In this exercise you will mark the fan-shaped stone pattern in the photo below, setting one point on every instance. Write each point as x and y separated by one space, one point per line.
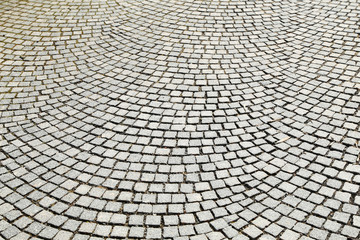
179 119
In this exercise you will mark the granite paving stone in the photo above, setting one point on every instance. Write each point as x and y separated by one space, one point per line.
179 119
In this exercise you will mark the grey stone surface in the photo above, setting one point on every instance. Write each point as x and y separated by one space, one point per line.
179 119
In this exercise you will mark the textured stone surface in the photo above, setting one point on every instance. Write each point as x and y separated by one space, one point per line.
179 119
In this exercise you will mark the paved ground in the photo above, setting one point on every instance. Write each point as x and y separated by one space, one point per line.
179 119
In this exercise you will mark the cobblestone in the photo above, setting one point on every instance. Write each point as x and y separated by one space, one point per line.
179 119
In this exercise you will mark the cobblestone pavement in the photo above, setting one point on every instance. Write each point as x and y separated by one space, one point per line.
179 119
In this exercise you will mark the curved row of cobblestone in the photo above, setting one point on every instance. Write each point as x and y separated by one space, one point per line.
179 119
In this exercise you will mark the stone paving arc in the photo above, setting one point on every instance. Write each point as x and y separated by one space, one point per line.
179 119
